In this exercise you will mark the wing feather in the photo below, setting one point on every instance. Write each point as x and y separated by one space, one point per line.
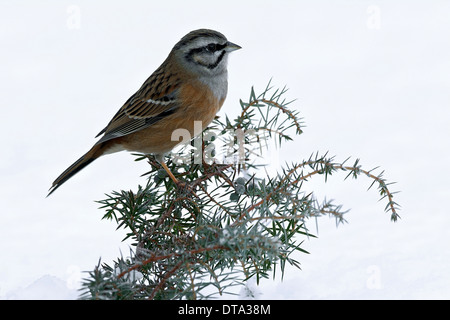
155 100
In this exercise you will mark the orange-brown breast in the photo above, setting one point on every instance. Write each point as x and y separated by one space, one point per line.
199 104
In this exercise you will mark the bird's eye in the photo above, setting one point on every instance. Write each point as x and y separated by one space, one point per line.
211 47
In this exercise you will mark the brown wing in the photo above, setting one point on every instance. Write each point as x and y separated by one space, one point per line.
155 100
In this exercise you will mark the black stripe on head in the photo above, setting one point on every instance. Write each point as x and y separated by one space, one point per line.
205 50
212 66
212 47
201 33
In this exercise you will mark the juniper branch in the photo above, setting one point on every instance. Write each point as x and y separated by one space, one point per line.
225 226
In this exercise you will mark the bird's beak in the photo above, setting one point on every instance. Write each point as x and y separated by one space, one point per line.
232 46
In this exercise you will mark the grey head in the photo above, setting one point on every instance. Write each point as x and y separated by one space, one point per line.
204 52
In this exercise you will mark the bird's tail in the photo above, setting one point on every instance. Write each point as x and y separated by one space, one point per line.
96 151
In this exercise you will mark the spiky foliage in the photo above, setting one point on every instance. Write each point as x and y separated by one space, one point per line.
228 221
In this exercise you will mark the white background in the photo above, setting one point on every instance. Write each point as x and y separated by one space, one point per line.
372 80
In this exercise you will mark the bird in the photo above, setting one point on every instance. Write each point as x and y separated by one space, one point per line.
190 85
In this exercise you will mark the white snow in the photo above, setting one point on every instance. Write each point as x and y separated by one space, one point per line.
46 287
371 79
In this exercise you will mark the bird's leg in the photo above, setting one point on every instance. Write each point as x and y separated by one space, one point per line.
180 184
165 167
